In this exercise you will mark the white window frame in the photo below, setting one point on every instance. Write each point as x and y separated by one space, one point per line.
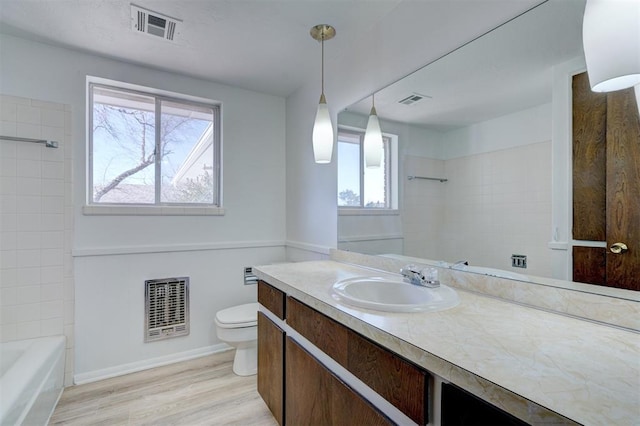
392 176
159 207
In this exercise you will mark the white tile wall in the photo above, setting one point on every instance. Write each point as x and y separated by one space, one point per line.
36 223
499 204
423 208
494 205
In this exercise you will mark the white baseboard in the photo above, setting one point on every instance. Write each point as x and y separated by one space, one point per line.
119 370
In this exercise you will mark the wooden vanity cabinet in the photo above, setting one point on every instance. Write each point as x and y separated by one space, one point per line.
300 389
295 342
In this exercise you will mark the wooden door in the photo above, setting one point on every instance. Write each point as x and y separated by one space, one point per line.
606 186
623 189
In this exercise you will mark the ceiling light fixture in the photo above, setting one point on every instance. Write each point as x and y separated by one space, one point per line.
322 127
373 139
611 40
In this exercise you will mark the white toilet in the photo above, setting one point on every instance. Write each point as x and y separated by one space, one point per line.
238 327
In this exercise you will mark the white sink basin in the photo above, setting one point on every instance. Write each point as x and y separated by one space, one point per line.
391 295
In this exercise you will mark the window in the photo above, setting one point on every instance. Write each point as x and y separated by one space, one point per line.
146 149
360 187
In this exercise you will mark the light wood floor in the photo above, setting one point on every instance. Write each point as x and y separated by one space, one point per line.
203 391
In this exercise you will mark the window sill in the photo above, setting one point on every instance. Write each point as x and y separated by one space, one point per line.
98 210
342 211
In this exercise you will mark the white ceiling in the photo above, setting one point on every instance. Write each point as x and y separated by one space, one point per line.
261 45
506 70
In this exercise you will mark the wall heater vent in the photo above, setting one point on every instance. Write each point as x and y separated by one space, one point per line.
153 23
166 308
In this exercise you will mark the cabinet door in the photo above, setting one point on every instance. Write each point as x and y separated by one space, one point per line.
316 397
271 366
460 408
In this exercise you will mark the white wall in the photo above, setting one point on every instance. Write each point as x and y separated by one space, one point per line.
110 305
114 254
311 187
517 129
36 223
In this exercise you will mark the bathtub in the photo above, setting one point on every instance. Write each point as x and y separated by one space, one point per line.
31 379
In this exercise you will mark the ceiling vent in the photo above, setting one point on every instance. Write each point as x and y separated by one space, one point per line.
413 98
153 23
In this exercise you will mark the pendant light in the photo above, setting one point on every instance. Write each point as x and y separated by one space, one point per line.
611 39
322 128
373 139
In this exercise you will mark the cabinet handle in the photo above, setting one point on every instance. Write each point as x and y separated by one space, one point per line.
618 248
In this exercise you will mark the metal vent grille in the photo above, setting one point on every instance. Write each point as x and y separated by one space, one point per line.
171 30
153 23
166 308
142 21
410 99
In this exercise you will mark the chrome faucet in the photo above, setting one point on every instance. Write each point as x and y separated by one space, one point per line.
417 276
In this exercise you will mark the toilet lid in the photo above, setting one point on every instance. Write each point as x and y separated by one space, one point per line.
245 315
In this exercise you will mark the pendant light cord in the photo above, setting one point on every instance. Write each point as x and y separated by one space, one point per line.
322 67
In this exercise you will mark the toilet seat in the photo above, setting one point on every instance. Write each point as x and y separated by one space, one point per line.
238 316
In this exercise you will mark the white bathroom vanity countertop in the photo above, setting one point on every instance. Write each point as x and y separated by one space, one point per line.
527 361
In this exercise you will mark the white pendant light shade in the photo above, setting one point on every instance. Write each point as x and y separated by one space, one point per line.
373 141
611 39
322 134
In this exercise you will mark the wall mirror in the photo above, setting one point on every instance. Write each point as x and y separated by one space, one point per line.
472 138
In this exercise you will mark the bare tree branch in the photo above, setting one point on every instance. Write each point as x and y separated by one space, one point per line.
138 126
122 176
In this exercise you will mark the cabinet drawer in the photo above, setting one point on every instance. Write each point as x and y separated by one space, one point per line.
394 378
327 335
272 299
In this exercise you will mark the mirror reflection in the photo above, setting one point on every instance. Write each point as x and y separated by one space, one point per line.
467 170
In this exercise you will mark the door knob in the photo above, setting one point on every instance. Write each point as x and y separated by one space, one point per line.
618 248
